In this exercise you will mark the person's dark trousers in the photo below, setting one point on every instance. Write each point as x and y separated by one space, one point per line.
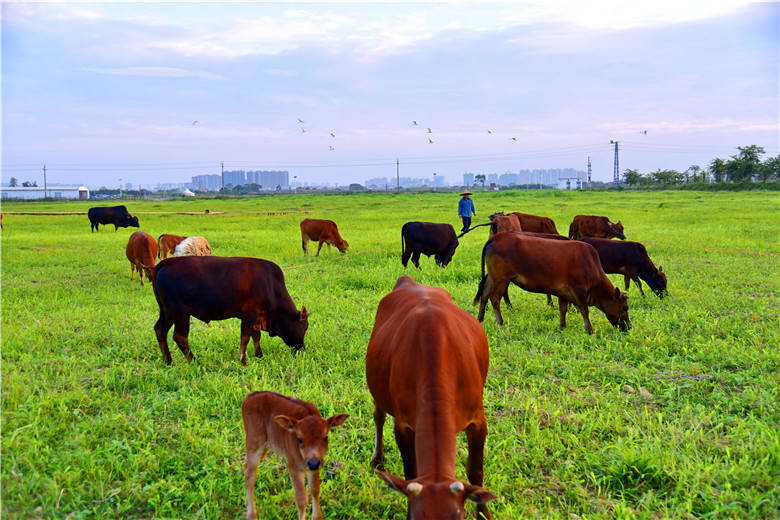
466 223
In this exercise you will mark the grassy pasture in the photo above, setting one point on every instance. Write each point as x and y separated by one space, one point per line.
677 418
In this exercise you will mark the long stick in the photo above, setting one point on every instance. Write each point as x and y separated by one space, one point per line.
475 227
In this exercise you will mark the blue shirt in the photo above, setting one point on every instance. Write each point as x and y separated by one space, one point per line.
466 208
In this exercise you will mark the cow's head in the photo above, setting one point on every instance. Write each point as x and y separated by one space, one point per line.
657 282
442 259
342 245
312 435
440 500
132 221
291 328
616 309
618 229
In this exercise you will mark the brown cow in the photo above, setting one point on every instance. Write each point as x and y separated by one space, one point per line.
595 226
570 270
215 288
141 250
322 231
293 429
426 365
536 223
632 261
167 243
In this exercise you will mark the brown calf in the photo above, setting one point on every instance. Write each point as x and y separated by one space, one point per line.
426 365
141 250
322 231
568 269
293 429
595 226
167 244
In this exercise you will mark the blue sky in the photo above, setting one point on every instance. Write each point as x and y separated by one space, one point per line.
104 91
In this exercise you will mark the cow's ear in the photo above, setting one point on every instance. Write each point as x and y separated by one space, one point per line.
337 420
660 269
479 495
617 293
398 484
288 423
304 314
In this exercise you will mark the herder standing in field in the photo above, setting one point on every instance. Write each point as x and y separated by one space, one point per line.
466 209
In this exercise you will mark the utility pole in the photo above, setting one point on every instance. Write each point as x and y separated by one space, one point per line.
589 171
223 175
45 188
616 172
397 176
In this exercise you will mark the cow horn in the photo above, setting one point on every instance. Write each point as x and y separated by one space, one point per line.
414 488
456 487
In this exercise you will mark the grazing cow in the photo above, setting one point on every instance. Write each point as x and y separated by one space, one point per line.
322 231
631 260
116 215
193 246
595 226
141 250
428 239
215 288
167 244
570 270
536 223
426 365
293 429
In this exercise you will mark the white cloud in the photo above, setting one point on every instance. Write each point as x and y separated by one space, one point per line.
155 72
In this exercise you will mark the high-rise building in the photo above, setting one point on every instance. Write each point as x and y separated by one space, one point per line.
235 177
207 182
468 179
492 178
271 180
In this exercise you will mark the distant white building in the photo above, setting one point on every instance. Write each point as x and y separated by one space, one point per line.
37 192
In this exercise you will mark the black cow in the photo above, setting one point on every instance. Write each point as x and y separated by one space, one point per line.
215 288
116 215
428 239
631 260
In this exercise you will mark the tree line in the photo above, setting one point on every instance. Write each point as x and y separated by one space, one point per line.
744 166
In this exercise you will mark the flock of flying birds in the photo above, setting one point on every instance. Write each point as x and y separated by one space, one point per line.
331 148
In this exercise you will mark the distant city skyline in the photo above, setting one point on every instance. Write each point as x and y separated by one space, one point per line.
336 93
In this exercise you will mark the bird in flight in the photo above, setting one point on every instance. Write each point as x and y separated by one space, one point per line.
414 123
643 132
303 130
429 131
490 131
300 120
514 139
430 141
194 123
331 148
332 134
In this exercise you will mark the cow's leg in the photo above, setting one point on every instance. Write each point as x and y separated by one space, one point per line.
140 270
627 280
484 295
378 458
405 256
132 271
254 455
305 243
246 333
181 329
495 300
320 247
506 298
404 438
475 437
256 340
638 284
584 311
549 300
563 306
161 329
314 489
297 478
416 259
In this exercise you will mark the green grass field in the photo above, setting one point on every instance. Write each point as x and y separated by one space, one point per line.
677 418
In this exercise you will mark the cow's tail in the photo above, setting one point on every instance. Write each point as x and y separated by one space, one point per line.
159 247
482 280
571 231
403 244
474 227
